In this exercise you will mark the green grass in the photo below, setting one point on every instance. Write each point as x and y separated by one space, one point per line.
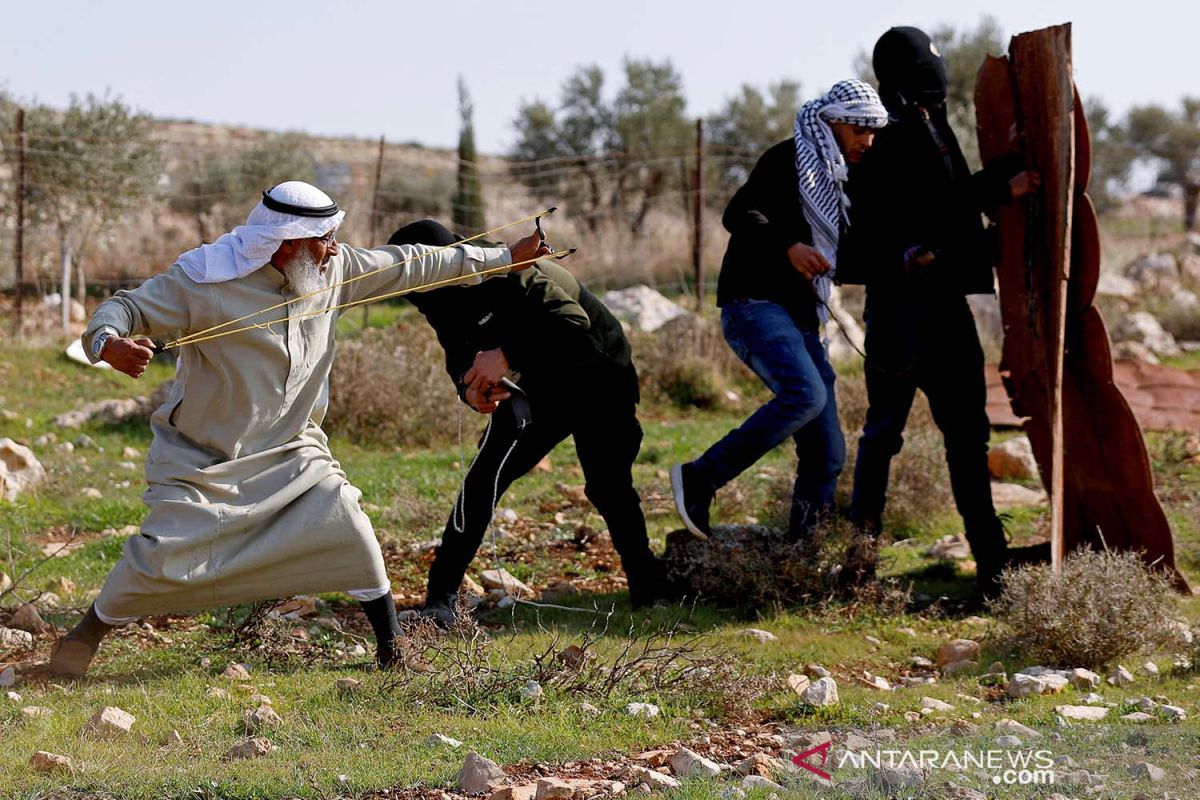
375 738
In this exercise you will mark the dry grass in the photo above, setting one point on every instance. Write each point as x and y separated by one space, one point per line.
1102 607
391 386
755 566
464 668
687 363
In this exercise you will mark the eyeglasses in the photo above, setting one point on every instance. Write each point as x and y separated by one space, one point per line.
328 238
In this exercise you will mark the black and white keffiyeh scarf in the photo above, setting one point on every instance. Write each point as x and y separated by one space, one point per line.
821 167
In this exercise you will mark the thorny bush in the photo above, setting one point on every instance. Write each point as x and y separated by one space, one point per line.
466 669
1102 607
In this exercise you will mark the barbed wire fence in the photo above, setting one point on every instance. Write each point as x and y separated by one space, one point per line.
645 217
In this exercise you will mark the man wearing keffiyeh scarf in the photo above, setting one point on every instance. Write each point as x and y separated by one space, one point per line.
918 244
784 227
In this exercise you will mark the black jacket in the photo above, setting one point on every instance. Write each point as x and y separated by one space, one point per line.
552 330
765 218
912 190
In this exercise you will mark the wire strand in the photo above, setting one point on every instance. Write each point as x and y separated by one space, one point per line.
194 336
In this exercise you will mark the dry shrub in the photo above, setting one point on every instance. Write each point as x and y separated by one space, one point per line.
391 387
755 566
919 485
687 363
253 632
464 669
1102 607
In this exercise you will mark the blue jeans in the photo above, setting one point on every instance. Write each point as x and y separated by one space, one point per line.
793 364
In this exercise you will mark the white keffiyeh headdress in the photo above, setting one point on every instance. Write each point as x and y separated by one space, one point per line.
291 210
821 167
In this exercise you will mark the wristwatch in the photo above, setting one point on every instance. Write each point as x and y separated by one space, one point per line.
100 339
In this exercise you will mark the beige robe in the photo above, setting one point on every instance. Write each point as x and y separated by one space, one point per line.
246 502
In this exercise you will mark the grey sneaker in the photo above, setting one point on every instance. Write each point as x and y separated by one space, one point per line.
691 500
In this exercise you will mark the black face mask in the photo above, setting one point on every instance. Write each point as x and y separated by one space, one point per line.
909 69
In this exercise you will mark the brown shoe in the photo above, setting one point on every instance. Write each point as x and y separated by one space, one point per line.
71 658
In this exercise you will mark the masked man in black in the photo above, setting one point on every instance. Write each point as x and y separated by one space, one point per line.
576 379
918 242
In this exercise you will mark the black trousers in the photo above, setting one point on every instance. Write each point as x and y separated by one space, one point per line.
937 350
602 416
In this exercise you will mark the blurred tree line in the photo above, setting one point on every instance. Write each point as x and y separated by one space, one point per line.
611 155
611 152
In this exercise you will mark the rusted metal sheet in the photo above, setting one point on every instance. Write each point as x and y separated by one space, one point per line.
1056 367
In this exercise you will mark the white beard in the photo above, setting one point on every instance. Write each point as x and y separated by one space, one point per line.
304 274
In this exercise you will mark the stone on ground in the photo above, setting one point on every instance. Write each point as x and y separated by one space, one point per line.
824 692
8 677
110 722
13 639
527 791
1014 727
642 710
26 618
250 748
1137 716
1082 712
952 547
798 683
479 774
1119 676
532 690
20 471
958 650
636 775
37 712
642 307
553 789
935 704
502 580
690 764
261 718
437 739
1144 769
759 635
759 782
236 672
1084 678
1012 460
46 762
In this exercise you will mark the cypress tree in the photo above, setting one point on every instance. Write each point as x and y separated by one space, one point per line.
467 203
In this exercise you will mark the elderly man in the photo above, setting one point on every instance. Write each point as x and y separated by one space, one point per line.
246 502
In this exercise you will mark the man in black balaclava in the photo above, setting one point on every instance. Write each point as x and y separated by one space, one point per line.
576 379
918 243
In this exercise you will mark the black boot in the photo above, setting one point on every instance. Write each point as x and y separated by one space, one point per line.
441 610
989 547
649 584
381 613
